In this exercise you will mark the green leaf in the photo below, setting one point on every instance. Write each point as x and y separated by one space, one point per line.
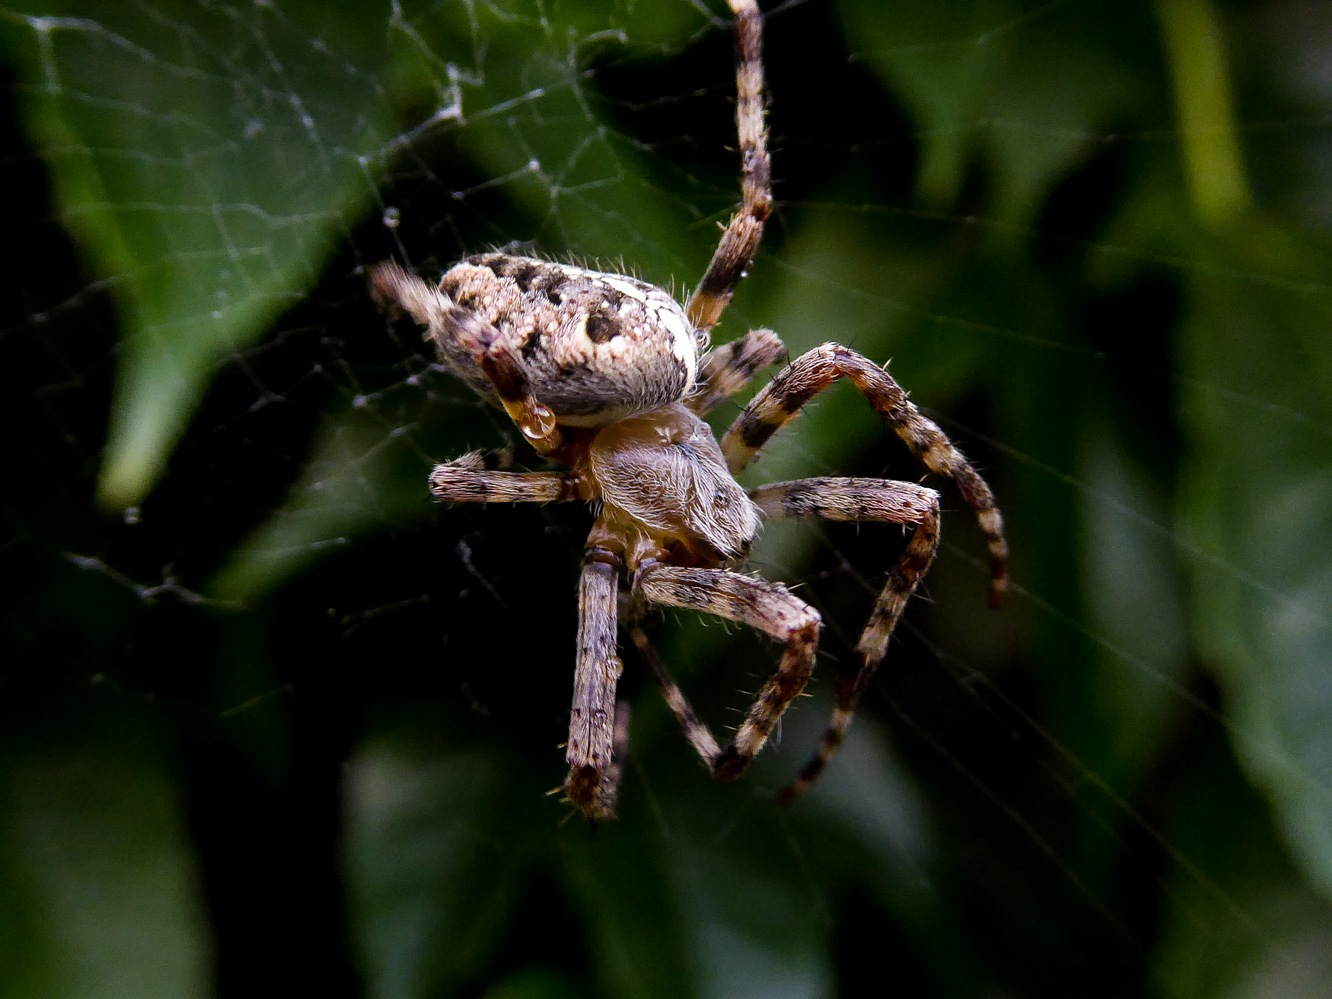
104 898
206 160
1257 507
430 889
1193 35
360 476
1238 921
1032 95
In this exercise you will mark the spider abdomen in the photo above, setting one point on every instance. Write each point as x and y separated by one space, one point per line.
597 347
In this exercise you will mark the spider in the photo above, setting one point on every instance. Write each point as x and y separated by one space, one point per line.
610 377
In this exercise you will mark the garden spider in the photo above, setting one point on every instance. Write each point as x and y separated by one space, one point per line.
610 377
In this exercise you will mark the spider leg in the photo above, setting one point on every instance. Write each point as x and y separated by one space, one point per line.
456 330
729 368
766 606
811 373
594 763
695 729
473 478
740 240
860 499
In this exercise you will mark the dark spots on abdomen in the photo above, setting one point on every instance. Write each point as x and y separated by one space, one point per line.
601 329
532 346
490 261
525 273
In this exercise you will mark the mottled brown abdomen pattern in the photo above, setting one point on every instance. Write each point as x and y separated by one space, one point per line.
597 347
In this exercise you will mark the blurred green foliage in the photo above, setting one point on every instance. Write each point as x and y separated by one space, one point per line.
271 722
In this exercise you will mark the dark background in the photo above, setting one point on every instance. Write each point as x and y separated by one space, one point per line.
272 721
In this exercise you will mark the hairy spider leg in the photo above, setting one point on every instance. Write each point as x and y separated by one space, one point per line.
594 764
475 477
598 727
695 729
740 240
729 368
816 370
860 499
494 353
767 607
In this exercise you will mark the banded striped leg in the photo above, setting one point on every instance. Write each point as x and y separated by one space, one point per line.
478 477
729 368
466 342
861 499
740 241
594 762
811 373
768 607
695 729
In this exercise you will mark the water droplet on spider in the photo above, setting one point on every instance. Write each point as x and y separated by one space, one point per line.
392 217
131 515
541 424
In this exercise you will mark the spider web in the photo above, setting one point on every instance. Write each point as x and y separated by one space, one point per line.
249 661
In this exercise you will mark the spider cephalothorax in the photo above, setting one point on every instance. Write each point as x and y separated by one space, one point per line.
610 377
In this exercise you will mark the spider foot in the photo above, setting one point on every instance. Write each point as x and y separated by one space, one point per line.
729 764
812 770
593 792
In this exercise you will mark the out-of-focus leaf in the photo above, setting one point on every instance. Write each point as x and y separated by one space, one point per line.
680 909
1257 507
1133 678
589 187
987 80
430 879
206 160
1193 35
1238 921
106 900
534 982
360 474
